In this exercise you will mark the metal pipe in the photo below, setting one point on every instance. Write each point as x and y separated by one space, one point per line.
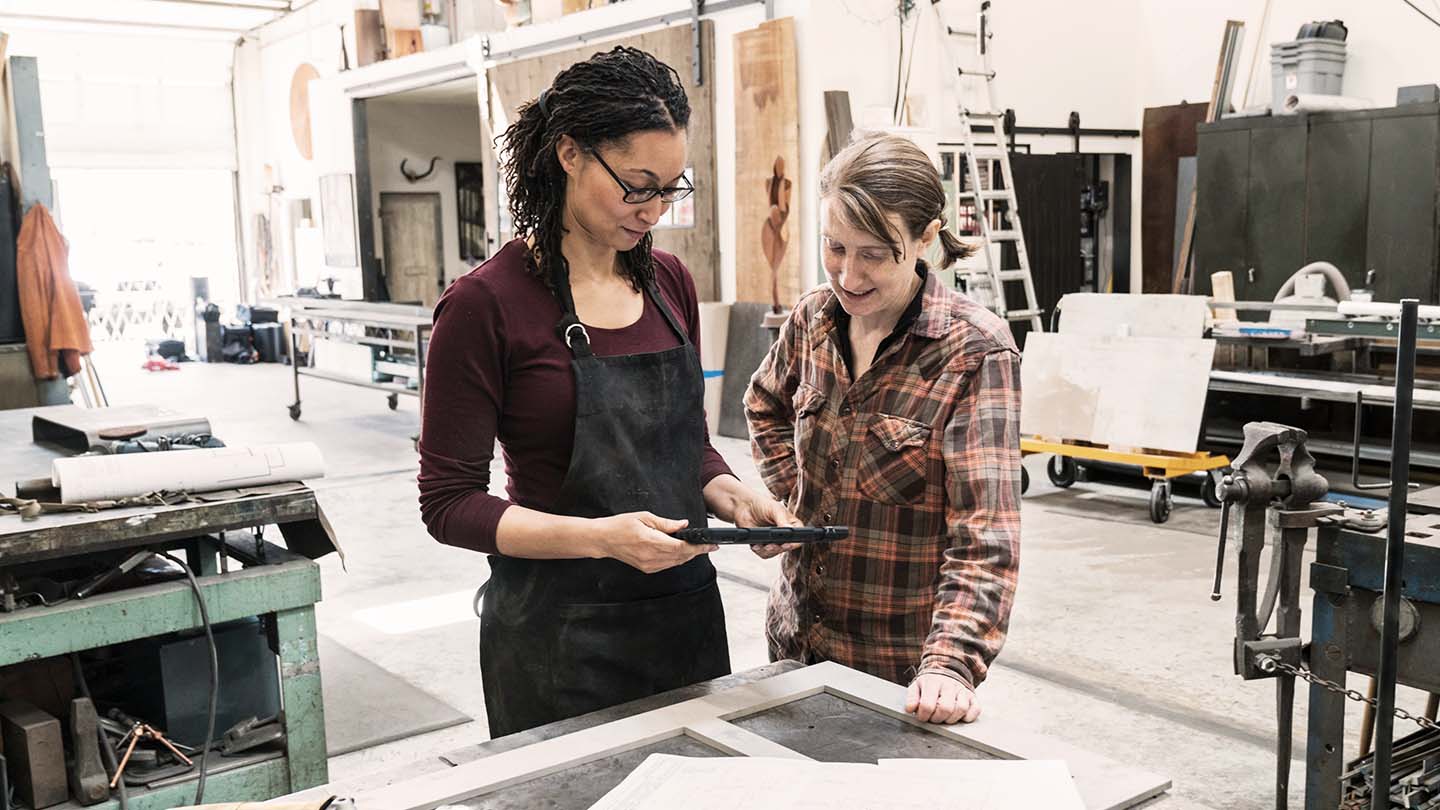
1273 306
1394 551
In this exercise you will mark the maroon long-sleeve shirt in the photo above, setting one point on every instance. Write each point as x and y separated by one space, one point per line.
497 370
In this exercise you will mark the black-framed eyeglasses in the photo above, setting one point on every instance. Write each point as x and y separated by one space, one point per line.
640 196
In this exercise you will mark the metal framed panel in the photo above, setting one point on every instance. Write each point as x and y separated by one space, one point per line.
711 719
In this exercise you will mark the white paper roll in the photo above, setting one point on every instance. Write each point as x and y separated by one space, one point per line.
1316 102
94 478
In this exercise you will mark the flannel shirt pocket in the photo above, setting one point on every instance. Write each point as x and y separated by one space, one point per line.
893 469
808 400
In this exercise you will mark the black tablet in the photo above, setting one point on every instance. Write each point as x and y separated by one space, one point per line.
764 535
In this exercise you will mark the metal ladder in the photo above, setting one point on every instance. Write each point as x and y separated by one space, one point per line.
992 148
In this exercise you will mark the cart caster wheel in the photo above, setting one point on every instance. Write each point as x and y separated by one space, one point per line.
1061 471
1160 501
295 411
393 401
1024 480
1208 492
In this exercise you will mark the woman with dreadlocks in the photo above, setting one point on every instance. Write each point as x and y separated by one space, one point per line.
576 347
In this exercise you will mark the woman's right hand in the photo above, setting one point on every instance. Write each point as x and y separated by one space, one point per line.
642 540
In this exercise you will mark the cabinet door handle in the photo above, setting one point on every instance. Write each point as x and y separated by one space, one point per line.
1250 274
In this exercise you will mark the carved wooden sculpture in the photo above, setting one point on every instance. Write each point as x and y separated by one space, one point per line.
774 237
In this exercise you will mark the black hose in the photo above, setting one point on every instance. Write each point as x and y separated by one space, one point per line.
214 674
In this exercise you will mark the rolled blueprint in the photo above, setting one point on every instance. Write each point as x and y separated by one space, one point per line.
1316 102
96 478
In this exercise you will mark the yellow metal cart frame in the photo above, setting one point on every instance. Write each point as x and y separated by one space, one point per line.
1160 467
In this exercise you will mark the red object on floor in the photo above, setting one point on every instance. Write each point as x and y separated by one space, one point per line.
160 364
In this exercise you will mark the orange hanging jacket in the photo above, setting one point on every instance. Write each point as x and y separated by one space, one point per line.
56 332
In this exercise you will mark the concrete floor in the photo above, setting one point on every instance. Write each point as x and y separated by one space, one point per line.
1114 644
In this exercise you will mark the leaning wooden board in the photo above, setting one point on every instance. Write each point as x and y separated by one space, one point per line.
749 720
767 139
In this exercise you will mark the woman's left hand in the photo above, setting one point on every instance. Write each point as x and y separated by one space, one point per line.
937 698
760 510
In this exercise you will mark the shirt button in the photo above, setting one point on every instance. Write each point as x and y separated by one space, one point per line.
835 463
845 409
817 618
819 569
829 518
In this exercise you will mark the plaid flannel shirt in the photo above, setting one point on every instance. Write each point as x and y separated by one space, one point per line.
920 458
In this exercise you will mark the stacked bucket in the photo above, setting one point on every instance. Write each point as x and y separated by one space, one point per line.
1313 64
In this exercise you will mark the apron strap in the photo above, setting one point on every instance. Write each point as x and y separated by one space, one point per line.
659 299
569 328
572 331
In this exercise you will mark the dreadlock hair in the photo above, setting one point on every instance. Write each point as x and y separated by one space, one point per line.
597 102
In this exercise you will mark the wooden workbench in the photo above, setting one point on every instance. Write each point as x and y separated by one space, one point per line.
238 579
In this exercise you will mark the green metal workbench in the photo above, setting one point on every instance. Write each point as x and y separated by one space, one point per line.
238 578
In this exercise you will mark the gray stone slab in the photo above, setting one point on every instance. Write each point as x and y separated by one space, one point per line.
745 349
830 729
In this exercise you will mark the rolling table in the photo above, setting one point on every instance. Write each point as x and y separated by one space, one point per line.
398 328
270 581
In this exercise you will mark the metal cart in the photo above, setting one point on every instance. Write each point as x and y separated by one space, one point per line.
402 329
1159 467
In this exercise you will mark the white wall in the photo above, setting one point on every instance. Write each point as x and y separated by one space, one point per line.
415 132
272 170
1389 45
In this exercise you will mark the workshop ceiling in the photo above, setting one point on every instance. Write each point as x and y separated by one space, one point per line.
217 17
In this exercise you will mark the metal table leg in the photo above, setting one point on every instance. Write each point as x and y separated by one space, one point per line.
300 690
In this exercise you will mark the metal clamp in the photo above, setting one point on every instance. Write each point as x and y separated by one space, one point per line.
569 336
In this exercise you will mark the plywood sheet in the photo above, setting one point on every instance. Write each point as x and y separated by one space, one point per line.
403 41
767 163
400 13
1133 315
1121 392
698 245
369 42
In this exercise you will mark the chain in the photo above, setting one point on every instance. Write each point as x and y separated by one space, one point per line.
1270 664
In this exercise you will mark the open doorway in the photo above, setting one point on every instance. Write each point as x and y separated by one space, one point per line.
428 202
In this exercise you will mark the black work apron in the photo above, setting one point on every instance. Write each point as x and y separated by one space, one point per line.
559 638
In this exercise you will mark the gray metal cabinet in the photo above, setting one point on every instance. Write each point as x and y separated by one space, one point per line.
1400 238
1221 201
1275 227
1357 189
1338 194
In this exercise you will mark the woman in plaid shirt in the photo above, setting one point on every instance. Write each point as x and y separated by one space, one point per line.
891 404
